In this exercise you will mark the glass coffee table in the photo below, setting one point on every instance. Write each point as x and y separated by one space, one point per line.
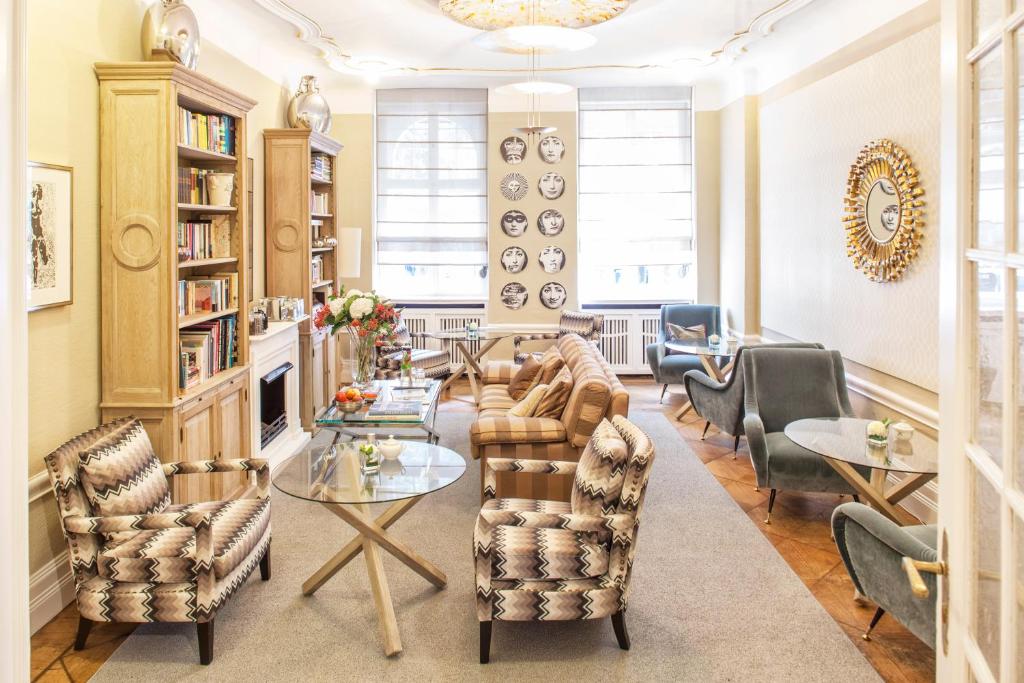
470 366
709 355
362 422
842 441
332 477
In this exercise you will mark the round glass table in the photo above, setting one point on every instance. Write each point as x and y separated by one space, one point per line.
842 441
709 355
470 365
332 477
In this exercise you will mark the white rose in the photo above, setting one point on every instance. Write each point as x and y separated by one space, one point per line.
877 429
361 308
337 306
352 292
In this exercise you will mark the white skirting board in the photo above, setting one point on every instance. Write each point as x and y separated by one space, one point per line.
50 590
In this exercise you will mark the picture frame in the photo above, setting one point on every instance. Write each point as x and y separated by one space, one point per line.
50 235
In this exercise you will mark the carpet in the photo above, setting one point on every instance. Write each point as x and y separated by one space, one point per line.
711 601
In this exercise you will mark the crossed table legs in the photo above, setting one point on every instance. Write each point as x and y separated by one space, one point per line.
372 538
470 366
875 492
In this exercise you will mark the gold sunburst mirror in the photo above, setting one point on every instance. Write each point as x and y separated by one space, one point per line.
884 213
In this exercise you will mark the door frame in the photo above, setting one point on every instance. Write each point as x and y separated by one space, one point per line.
14 595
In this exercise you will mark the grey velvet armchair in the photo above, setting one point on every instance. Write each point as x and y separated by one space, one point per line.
671 368
873 548
721 403
783 385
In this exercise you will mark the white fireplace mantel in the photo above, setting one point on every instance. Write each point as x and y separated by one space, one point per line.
267 352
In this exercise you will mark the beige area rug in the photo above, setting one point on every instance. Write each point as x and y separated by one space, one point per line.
711 601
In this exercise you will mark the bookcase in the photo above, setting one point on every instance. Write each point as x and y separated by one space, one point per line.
175 347
301 195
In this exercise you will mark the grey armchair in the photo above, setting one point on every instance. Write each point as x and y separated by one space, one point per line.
873 548
721 403
783 385
671 368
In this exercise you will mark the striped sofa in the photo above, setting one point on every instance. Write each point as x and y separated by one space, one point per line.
596 394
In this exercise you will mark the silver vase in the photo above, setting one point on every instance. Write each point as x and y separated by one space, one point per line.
170 30
308 108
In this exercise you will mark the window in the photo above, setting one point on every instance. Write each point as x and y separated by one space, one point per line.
431 227
636 232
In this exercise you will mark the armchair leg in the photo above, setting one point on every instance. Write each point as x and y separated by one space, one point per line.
856 498
621 634
84 626
735 446
664 388
771 504
874 622
707 425
205 632
485 642
265 565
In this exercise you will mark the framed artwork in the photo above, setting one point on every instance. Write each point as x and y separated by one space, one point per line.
551 222
514 295
513 223
553 295
551 185
513 186
50 235
551 149
551 259
513 259
513 149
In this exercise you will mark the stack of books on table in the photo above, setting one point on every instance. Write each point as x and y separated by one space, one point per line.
395 411
206 349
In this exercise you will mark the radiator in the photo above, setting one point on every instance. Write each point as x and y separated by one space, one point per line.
625 337
420 320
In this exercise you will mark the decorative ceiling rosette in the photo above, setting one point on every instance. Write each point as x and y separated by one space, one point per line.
883 211
489 15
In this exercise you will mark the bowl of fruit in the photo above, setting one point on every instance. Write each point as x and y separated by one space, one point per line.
349 400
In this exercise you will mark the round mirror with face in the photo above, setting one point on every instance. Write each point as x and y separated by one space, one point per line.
551 259
551 185
513 259
512 150
514 295
551 222
551 149
882 210
513 186
513 223
553 295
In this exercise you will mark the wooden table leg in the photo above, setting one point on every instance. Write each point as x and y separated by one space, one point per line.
681 413
870 493
712 367
472 364
910 483
381 595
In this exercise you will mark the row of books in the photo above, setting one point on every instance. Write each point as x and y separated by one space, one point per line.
214 132
206 349
319 202
209 294
321 167
195 240
192 188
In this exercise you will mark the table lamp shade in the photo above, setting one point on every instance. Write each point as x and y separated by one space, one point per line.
350 244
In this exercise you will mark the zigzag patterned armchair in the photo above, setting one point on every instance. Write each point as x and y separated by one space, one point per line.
134 555
541 560
586 325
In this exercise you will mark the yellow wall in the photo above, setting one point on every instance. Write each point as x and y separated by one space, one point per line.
355 169
65 39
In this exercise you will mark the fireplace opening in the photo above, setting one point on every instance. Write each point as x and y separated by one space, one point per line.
273 411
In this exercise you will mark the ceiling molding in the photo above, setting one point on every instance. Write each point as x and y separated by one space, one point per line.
760 27
309 31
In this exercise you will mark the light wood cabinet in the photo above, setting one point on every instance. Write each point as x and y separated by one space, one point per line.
232 410
142 150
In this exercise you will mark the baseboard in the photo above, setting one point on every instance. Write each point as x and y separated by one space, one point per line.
51 588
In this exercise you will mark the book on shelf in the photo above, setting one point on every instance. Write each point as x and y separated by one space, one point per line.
195 240
395 410
319 202
213 132
207 294
318 269
192 185
321 167
207 349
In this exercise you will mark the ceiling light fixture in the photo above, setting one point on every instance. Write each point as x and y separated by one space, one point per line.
533 87
489 15
543 39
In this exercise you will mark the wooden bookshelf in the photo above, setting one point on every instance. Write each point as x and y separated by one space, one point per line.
290 183
141 151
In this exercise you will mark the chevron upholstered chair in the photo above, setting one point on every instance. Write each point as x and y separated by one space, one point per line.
541 560
134 555
586 325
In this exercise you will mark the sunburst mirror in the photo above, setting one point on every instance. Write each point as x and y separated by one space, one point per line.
884 213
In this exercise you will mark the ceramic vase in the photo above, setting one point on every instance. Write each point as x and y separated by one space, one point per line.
308 108
221 187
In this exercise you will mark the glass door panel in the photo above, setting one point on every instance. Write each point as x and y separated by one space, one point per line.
990 203
988 416
985 615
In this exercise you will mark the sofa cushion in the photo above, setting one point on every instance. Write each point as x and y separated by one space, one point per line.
508 429
121 474
601 472
552 403
529 553
499 372
551 362
169 555
587 406
495 396
527 407
522 381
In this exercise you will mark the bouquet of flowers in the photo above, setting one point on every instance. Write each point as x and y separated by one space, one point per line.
367 317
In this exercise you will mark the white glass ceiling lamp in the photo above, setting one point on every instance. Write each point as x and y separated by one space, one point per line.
490 15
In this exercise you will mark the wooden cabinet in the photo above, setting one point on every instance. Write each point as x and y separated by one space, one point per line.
318 378
197 435
232 410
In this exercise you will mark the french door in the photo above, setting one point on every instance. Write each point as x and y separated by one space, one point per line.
981 487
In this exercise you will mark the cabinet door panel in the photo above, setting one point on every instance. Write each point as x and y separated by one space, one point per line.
233 429
198 441
318 365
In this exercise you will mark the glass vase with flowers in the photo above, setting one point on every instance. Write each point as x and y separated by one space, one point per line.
367 317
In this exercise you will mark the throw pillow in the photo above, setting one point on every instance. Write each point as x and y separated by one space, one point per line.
682 333
121 474
522 381
552 403
601 473
550 363
528 406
